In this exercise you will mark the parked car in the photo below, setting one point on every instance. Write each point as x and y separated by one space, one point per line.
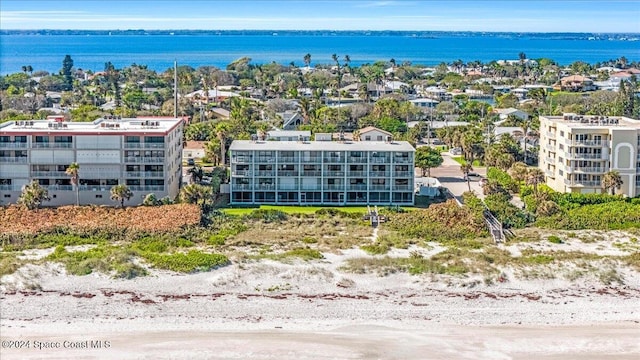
191 162
473 176
456 151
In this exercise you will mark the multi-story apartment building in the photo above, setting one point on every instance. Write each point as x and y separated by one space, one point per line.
143 153
322 172
577 150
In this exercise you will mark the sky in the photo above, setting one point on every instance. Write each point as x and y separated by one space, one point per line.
621 16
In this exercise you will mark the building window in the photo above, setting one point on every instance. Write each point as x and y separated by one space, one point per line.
7 196
98 196
561 147
367 138
561 133
560 172
380 138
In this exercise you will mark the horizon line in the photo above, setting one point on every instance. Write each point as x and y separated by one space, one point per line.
343 30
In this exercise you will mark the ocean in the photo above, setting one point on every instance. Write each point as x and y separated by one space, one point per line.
91 50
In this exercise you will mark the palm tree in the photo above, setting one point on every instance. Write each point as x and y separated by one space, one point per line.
33 195
518 171
72 170
466 168
196 194
121 193
525 125
612 181
307 60
221 133
196 173
535 176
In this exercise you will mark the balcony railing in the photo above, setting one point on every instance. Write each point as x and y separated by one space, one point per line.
379 173
549 173
268 173
358 187
334 160
49 173
287 159
402 173
596 143
13 145
58 187
287 172
333 173
139 159
288 187
585 183
550 147
401 160
241 159
265 187
154 145
311 173
20 160
402 187
145 174
588 169
60 145
243 173
551 135
312 159
146 188
313 187
584 156
242 186
357 160
379 187
357 173
333 187
133 145
11 187
379 160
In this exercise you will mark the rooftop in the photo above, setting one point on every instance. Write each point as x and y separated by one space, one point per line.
108 125
590 121
240 145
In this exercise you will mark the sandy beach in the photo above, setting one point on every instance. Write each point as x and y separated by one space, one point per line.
313 310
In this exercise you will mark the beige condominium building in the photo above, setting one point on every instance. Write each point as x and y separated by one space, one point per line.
577 150
322 172
143 153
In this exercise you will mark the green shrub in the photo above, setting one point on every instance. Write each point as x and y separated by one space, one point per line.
267 215
129 271
554 239
613 215
538 259
101 258
192 261
376 249
503 179
9 263
508 214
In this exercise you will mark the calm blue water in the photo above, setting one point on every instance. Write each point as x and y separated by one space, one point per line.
46 52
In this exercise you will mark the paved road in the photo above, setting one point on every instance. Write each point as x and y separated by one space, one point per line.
450 177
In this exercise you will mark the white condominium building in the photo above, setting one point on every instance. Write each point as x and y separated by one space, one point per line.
143 153
322 172
577 150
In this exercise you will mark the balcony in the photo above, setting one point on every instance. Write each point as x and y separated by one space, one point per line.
133 145
402 173
241 173
357 173
146 188
288 159
241 160
401 160
334 160
58 187
153 145
379 187
339 187
313 173
265 187
585 156
402 188
551 135
582 183
267 173
60 145
288 187
11 187
357 160
550 147
314 187
357 187
19 160
588 169
145 174
139 159
379 173
550 173
287 172
13 145
333 173
242 187
49 173
550 160
312 159
379 160
594 143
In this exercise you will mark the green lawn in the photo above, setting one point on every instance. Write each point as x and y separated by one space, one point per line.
460 160
301 209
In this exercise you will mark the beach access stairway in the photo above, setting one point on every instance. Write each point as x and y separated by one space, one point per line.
497 231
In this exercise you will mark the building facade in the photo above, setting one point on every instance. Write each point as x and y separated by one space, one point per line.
577 150
143 153
322 172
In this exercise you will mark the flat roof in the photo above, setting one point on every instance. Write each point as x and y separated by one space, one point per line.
594 121
245 145
102 126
